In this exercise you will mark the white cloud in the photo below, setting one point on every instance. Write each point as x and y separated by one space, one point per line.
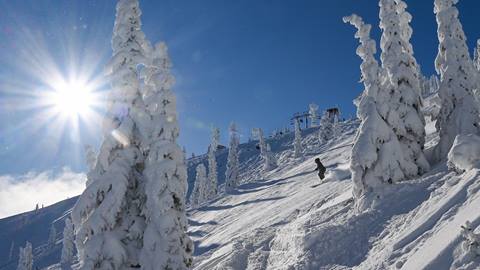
20 193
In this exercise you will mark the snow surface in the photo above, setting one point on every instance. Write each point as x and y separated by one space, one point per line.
465 153
288 219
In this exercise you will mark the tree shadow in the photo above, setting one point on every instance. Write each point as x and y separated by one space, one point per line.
197 233
199 250
229 206
194 223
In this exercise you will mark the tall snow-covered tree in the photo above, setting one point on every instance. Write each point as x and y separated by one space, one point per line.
297 142
199 192
376 159
212 165
232 173
313 114
400 103
270 162
476 56
325 133
336 126
165 242
109 217
459 113
25 258
68 248
52 237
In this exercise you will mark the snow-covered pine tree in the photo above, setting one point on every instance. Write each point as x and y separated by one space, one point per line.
297 143
212 190
261 142
165 241
476 56
313 114
108 216
52 236
90 157
269 159
68 244
400 104
199 191
232 173
25 258
459 113
336 126
376 159
325 132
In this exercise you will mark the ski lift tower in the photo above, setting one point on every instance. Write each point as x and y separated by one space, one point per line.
302 118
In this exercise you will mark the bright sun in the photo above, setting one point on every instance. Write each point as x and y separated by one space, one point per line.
72 98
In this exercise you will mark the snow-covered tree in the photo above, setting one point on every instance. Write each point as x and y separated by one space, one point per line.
212 165
325 132
336 126
25 258
376 159
165 242
400 103
269 159
68 244
52 236
90 157
261 141
476 55
232 173
297 143
313 114
459 113
199 192
109 216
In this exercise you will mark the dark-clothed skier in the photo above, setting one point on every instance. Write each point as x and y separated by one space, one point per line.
320 168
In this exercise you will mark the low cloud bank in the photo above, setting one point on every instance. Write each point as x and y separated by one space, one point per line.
20 193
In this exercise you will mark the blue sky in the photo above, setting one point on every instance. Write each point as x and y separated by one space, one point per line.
255 62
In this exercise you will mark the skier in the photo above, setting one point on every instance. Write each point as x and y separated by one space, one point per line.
320 168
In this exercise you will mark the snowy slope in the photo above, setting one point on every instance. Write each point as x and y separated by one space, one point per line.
288 219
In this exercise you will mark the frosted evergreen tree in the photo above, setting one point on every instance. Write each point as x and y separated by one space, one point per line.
68 244
261 142
165 241
90 157
476 56
52 236
109 217
212 165
459 113
199 192
297 143
269 159
313 114
325 132
400 103
25 258
232 173
336 126
376 159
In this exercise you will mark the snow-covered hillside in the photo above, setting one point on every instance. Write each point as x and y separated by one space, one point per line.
288 219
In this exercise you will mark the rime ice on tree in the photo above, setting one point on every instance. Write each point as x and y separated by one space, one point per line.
68 248
400 101
199 192
459 113
212 165
376 155
297 143
232 173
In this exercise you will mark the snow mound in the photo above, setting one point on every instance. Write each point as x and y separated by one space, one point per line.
465 153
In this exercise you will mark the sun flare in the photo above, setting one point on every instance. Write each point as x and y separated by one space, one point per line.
72 98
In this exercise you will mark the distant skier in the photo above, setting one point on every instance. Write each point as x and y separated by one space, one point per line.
320 168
